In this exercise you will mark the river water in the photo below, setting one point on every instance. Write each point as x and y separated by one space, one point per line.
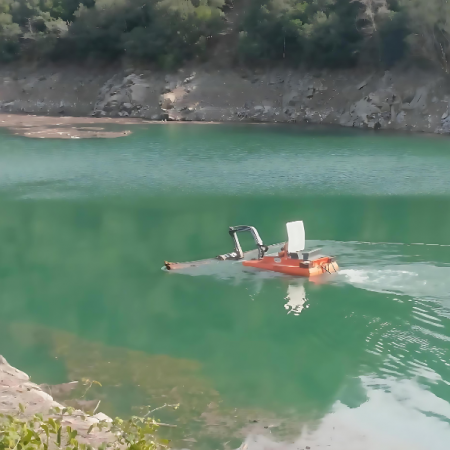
356 360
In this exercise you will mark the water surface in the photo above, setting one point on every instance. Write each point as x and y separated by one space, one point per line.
356 360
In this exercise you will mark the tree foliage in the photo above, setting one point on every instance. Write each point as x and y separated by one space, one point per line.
324 33
318 31
165 31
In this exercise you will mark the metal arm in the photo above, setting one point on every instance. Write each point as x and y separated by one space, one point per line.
237 246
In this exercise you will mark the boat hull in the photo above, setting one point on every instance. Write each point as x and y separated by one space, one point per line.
295 267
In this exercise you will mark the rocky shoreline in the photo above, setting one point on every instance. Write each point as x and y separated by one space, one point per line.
412 100
20 397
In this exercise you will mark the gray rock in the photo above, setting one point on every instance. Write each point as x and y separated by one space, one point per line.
138 93
374 124
130 80
387 79
445 126
346 119
17 389
190 78
400 117
364 83
419 101
170 86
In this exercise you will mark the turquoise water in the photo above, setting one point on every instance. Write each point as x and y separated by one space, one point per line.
356 360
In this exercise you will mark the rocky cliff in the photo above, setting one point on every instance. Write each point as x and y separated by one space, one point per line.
403 100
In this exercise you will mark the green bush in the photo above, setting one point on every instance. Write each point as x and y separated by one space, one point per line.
37 433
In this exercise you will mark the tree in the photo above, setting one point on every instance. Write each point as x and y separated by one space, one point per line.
318 32
429 24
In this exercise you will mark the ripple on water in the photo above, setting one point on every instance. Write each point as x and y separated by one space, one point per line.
379 327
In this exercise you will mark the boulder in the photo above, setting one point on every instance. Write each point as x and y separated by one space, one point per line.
363 108
400 117
419 101
131 79
138 93
374 124
190 78
167 101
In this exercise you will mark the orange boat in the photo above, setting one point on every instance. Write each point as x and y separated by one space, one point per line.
290 260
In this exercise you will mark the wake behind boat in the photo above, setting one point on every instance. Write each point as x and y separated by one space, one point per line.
291 259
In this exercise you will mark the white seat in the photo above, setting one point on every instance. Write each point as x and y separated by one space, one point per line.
296 236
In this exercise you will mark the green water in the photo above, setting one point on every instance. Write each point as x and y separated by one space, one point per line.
361 359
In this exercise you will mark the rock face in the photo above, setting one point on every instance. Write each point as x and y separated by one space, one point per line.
121 96
152 97
16 388
373 110
414 100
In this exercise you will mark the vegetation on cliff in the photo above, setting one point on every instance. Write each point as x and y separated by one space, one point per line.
325 33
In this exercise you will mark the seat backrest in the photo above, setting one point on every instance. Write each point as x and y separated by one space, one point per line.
296 236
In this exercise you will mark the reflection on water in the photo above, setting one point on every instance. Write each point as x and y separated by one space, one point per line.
296 299
399 416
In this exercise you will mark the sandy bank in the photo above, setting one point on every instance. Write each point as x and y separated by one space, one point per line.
65 127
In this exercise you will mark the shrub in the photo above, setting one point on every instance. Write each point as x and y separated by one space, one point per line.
39 433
